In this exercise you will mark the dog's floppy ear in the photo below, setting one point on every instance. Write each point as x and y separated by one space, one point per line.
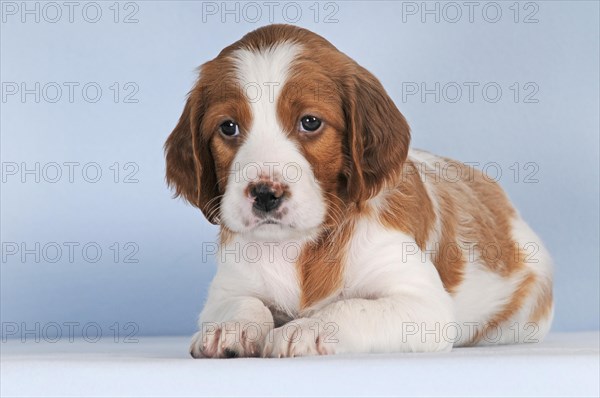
190 164
377 133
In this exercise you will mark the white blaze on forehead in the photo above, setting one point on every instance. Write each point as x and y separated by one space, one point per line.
262 75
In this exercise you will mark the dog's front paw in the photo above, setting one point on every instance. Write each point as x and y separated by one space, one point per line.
301 337
227 340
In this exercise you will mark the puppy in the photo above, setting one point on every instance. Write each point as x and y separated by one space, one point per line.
335 237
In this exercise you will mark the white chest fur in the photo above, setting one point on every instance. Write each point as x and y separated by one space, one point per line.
263 269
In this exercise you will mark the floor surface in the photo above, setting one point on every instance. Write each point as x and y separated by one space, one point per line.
566 364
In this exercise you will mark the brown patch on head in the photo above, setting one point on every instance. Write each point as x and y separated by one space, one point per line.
324 149
198 156
378 139
364 138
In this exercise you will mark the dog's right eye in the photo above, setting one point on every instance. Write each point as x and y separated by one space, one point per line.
230 128
309 123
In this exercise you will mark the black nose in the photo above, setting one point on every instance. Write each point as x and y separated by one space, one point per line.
264 198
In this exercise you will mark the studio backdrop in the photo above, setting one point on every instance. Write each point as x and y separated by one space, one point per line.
91 237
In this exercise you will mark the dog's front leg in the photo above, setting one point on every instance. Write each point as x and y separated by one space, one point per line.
398 323
231 327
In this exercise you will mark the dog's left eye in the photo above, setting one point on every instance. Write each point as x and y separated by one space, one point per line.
230 128
310 123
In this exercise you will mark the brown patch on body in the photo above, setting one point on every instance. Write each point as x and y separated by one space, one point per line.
543 305
473 217
321 264
225 236
473 213
408 207
511 308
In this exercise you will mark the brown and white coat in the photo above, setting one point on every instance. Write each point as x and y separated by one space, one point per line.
369 246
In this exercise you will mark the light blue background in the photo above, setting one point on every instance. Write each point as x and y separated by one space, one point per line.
164 291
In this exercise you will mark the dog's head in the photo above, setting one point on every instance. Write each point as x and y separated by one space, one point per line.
281 133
